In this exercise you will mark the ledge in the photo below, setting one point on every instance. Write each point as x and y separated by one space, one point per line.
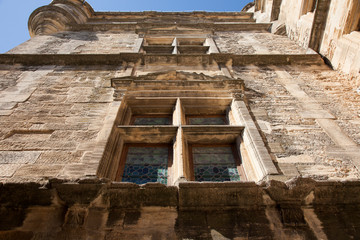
118 59
142 27
188 195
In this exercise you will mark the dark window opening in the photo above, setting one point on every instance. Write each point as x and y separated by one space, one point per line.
151 120
206 120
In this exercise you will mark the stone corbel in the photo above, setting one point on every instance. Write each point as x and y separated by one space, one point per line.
59 16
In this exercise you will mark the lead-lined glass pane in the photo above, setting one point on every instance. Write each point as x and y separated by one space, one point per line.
152 121
215 164
207 120
146 164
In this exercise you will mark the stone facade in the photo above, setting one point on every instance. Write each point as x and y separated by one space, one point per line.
69 97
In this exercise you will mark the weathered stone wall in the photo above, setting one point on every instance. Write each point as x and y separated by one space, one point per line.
79 43
309 117
54 120
92 209
53 117
248 43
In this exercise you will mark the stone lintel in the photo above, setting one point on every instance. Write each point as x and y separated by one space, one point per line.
148 134
212 134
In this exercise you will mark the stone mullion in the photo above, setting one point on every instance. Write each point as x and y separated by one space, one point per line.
174 44
212 46
178 173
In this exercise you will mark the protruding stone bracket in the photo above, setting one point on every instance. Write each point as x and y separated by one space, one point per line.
58 16
295 190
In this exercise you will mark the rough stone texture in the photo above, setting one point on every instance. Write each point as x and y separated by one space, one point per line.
298 140
55 120
78 43
256 43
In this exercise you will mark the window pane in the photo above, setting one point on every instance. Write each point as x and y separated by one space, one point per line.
207 120
146 164
152 121
215 164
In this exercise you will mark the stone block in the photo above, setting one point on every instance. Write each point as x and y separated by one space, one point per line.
7 105
78 170
317 170
214 195
299 159
43 219
276 147
59 157
316 114
39 171
8 170
130 195
6 112
335 132
18 157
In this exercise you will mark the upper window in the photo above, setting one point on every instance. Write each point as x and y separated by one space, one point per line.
159 45
176 45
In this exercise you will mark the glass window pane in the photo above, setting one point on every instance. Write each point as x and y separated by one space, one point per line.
152 121
146 164
219 120
215 164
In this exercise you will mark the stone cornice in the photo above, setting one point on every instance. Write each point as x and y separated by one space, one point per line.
145 27
76 15
117 59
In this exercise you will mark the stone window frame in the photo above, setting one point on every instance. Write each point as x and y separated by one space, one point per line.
181 135
160 93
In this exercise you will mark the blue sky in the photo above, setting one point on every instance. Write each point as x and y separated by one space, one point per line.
14 14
